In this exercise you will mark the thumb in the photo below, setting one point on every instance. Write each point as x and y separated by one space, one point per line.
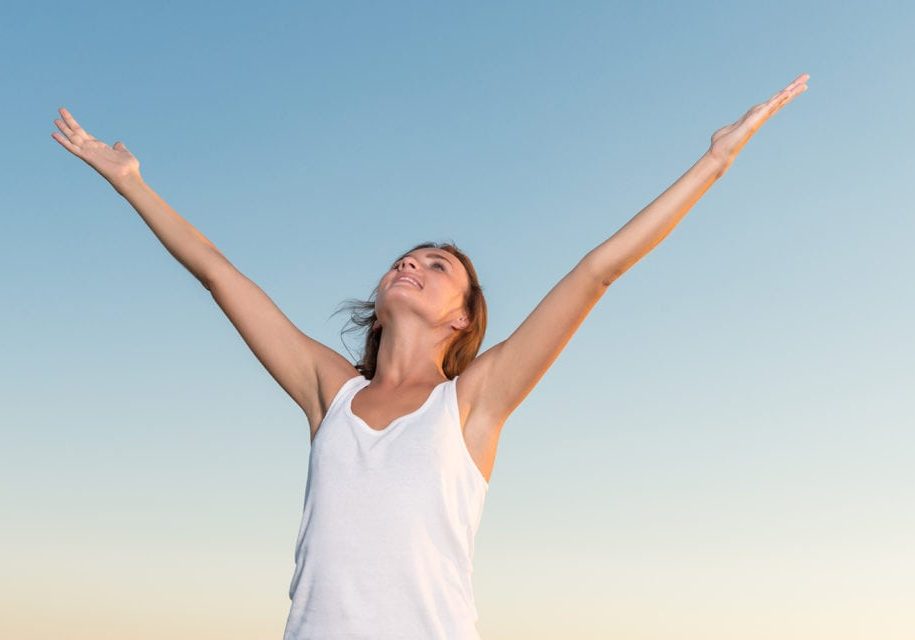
119 146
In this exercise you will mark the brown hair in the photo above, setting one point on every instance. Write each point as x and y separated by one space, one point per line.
463 348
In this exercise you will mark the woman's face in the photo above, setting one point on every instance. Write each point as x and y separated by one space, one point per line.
435 287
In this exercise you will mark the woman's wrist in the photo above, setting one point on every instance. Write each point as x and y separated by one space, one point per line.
131 182
715 163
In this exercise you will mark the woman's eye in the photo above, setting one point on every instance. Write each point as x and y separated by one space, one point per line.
440 265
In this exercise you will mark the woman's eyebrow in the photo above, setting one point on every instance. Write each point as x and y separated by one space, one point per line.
431 255
439 255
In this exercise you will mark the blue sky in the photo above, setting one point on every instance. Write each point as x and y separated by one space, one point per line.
724 444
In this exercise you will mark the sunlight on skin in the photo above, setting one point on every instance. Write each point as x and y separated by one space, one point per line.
728 141
115 163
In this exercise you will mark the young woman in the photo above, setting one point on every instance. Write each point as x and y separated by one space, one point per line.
404 441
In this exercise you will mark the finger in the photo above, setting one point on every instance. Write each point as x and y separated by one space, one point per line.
774 105
788 93
758 114
69 146
790 88
784 99
795 91
73 124
778 95
797 85
801 79
791 96
67 131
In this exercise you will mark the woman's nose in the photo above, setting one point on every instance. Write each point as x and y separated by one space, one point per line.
405 261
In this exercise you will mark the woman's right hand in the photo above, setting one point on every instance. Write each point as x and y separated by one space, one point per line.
728 141
115 163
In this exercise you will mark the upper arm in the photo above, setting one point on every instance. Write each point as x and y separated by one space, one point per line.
297 362
506 373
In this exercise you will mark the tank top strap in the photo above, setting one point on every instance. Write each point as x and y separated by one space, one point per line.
339 401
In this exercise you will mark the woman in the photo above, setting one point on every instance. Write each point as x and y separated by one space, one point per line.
404 442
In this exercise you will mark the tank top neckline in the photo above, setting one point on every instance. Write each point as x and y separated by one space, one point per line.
364 382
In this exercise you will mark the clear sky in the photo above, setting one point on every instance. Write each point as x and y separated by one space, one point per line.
724 449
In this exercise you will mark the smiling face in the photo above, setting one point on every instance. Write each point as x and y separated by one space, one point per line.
432 282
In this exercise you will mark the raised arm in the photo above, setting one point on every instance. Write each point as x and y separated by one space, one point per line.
505 374
292 358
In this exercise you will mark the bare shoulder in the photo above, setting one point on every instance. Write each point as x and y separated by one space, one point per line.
331 371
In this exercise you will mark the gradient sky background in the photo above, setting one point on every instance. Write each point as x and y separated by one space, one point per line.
724 449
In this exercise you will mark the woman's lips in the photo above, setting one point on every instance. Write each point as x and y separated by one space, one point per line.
408 281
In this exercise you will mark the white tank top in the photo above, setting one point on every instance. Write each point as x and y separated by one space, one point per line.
385 546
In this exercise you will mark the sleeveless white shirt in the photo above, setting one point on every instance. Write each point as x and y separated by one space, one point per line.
385 546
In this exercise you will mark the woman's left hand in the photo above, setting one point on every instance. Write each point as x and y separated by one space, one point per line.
728 141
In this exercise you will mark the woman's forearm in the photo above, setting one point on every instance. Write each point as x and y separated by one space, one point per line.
189 247
651 225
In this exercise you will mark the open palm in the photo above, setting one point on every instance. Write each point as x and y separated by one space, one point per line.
114 163
728 141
